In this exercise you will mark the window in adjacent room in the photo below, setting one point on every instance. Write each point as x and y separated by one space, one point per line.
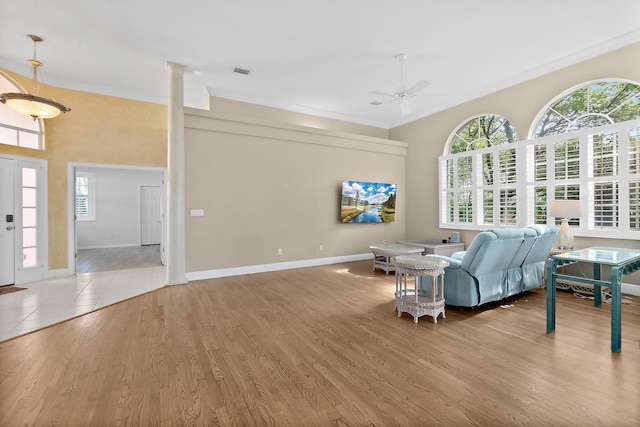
85 196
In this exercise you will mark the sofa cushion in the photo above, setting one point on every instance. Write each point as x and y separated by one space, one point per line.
492 250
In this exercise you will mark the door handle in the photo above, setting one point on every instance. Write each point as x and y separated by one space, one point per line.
9 227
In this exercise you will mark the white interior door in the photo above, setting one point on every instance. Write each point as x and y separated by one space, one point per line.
7 222
151 214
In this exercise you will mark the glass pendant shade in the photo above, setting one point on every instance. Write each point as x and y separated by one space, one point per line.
34 106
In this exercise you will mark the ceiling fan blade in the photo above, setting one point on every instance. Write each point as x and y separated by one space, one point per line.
375 92
417 87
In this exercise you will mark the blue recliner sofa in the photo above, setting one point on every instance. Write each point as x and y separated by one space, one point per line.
498 264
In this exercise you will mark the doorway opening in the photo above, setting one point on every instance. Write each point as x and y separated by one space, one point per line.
116 217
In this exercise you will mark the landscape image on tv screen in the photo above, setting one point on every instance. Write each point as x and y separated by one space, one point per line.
367 202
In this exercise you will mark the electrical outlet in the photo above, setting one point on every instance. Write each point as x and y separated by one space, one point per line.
279 251
321 247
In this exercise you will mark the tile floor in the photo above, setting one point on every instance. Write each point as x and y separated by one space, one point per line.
50 301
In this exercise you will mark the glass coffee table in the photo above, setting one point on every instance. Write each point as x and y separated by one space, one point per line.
622 262
383 252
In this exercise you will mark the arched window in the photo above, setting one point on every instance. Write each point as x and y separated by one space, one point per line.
591 105
483 131
481 185
584 145
605 180
15 128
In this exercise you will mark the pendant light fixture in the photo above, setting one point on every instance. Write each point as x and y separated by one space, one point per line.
32 104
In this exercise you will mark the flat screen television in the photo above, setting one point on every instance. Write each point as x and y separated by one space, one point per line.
366 202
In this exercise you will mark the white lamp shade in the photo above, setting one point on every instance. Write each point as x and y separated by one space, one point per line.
565 209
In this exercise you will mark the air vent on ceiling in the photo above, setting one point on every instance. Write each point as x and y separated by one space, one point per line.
376 103
244 71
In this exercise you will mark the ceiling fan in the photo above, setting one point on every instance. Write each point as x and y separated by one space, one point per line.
402 95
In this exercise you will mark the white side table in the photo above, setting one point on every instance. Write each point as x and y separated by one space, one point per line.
419 301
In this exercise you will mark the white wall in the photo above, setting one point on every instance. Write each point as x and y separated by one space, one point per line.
117 207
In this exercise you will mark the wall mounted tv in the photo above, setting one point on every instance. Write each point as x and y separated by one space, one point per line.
365 202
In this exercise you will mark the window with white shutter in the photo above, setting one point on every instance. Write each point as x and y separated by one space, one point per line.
585 146
85 196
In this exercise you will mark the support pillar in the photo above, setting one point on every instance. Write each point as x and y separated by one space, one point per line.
176 206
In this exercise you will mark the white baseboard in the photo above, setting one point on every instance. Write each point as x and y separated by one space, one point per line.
122 245
263 268
628 288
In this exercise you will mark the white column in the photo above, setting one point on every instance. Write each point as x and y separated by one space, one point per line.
176 207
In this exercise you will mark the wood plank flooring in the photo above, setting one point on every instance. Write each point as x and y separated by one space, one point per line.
322 346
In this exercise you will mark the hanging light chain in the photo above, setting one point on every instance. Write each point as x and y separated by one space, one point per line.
34 62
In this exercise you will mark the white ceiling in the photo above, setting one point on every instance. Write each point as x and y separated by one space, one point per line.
315 56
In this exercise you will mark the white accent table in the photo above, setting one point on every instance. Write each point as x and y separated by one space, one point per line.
383 252
419 301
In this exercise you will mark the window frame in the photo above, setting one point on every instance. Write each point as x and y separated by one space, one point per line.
526 184
16 127
549 106
91 196
491 140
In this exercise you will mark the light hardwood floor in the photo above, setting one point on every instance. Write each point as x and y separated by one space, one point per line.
321 346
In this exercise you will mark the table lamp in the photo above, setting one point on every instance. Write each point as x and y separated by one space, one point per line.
565 209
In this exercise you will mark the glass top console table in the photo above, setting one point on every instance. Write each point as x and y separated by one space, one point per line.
622 261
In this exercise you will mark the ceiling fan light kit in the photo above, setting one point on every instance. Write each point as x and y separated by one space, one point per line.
405 107
403 94
32 104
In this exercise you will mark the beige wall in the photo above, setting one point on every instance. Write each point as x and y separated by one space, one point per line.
265 185
116 131
266 182
99 129
230 107
520 104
